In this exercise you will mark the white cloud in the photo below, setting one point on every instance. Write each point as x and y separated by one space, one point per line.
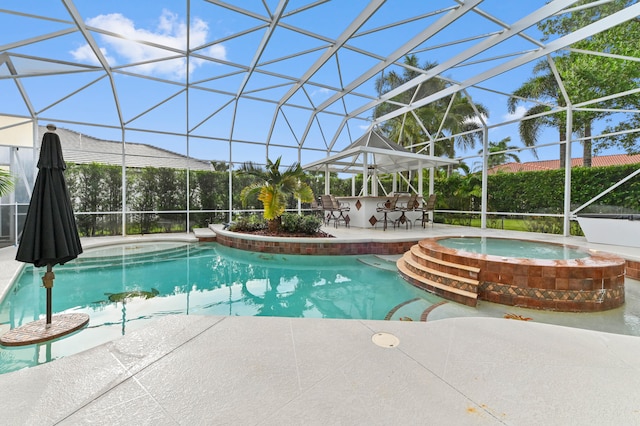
85 54
518 113
170 32
322 91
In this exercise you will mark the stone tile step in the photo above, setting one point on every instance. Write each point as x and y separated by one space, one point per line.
433 272
417 251
451 293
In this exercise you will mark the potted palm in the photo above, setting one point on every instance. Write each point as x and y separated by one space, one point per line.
273 188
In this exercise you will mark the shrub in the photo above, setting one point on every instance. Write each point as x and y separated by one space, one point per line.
291 222
297 224
249 223
311 224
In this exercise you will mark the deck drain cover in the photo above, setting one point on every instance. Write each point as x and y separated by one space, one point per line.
385 340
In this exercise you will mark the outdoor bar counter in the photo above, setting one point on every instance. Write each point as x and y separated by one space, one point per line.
363 211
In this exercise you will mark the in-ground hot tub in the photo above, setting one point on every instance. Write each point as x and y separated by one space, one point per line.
523 273
615 229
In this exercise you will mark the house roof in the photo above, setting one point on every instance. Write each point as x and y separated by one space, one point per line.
78 148
536 166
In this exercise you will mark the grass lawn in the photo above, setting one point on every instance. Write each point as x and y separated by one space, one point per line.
508 224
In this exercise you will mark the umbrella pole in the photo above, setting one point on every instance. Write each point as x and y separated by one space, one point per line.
47 282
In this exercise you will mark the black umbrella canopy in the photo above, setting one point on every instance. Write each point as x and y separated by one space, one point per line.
50 235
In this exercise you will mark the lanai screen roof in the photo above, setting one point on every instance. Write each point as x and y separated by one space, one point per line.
241 80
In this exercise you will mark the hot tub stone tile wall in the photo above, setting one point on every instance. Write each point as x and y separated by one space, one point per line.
553 299
633 269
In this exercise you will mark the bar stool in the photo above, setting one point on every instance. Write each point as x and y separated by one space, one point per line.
409 206
428 206
386 208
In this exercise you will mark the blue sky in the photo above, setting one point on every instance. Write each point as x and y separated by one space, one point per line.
87 97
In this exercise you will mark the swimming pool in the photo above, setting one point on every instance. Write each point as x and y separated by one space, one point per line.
123 287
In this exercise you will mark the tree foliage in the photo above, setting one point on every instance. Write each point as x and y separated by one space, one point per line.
543 88
501 152
95 188
602 65
594 68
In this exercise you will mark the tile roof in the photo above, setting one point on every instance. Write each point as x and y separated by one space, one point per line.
82 149
536 166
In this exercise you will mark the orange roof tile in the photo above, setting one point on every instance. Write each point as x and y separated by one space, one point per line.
535 166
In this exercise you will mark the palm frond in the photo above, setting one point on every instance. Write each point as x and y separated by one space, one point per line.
7 182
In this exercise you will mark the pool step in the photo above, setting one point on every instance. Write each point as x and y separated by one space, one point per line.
169 254
378 262
446 279
442 265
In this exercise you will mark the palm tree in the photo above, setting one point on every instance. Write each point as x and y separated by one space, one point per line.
273 188
544 87
587 76
461 118
501 155
406 130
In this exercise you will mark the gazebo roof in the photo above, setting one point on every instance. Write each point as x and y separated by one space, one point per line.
380 154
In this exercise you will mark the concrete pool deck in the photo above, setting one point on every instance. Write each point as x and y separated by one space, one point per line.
260 370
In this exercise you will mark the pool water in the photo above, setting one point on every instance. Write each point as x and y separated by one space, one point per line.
505 247
121 288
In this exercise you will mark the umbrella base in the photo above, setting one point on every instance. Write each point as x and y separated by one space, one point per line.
38 331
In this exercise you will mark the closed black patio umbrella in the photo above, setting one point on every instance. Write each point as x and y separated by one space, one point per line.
50 235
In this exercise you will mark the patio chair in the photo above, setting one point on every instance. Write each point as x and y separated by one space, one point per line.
341 208
316 207
409 206
334 210
427 207
388 207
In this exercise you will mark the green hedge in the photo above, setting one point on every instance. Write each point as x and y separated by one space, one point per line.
98 188
543 191
538 192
